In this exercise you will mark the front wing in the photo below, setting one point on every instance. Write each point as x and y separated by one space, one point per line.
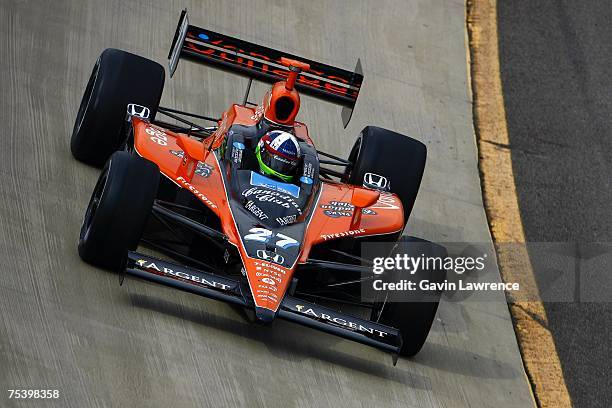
213 286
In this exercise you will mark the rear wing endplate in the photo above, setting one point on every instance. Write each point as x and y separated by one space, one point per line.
262 63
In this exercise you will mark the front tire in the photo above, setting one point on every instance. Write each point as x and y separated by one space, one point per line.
118 210
413 312
117 79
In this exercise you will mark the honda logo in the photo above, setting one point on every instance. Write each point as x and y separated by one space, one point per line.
375 181
138 110
270 256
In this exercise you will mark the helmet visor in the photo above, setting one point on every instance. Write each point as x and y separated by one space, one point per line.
278 163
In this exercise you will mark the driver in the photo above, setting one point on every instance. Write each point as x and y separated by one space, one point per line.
278 154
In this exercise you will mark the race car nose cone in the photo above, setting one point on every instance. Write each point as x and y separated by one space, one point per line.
264 315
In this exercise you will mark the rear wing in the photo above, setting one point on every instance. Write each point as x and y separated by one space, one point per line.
262 63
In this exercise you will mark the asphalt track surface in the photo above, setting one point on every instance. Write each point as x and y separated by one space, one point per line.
556 66
67 326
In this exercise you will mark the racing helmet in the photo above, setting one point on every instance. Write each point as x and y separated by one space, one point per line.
278 154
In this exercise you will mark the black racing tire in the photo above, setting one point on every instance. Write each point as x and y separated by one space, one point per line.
118 210
399 158
413 312
118 78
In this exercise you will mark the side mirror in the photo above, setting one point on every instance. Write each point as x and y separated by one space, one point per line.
363 197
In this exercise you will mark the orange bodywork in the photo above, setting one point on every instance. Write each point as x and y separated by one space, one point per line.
270 104
178 157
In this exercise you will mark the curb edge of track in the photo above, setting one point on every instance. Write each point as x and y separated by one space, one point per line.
540 359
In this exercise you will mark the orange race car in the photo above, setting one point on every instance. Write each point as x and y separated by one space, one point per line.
248 210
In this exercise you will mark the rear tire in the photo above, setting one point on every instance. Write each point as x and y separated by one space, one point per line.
399 158
118 210
413 312
117 79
